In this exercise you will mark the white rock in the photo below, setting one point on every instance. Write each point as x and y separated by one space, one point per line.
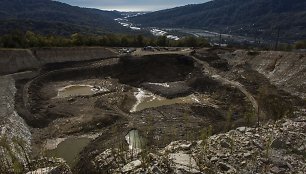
241 129
42 170
246 155
185 162
131 166
213 159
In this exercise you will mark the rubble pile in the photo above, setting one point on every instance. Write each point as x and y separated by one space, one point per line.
278 147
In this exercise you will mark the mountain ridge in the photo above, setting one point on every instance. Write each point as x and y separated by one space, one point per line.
252 17
34 14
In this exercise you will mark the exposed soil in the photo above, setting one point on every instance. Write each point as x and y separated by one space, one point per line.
220 105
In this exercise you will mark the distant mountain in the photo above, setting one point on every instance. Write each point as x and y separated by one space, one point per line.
52 17
258 18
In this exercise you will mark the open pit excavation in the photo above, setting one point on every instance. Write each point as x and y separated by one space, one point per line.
101 112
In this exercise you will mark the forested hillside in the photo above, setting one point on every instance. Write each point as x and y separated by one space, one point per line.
52 17
244 17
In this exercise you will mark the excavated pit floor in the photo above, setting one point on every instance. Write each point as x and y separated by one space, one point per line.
160 98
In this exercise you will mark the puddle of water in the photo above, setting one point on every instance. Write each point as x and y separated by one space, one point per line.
134 140
78 90
146 100
166 85
69 149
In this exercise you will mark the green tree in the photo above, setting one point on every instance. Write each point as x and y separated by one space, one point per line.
190 41
124 41
300 45
76 39
162 41
140 41
15 39
32 39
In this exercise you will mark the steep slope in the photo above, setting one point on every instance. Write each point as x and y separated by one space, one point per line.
46 16
286 70
252 17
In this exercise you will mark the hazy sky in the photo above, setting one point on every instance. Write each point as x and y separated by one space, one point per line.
131 5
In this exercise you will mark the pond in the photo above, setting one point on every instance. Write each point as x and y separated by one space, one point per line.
146 100
79 90
69 149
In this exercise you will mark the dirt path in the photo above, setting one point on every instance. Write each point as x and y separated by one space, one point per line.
213 73
140 52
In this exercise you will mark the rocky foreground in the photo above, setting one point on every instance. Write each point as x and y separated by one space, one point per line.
273 148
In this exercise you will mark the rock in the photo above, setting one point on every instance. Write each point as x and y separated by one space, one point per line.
72 99
131 166
241 129
304 129
257 144
42 170
105 158
276 170
301 148
225 144
184 162
248 133
243 163
156 170
224 166
214 159
61 169
180 145
247 155
185 147
152 156
279 162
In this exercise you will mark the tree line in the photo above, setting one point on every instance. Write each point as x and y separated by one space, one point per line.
300 44
30 39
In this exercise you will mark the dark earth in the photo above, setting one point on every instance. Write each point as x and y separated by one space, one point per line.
217 106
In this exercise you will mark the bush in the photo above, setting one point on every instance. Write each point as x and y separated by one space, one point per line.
29 39
300 45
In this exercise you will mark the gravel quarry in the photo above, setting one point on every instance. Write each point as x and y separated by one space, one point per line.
77 111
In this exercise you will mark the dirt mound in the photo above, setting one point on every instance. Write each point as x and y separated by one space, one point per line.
203 84
154 68
211 57
170 89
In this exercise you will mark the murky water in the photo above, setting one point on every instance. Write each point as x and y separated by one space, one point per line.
78 90
134 140
69 150
146 100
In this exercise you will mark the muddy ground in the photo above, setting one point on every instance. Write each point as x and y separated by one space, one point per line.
108 113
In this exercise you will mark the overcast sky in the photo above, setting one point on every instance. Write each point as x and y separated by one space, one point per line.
131 5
